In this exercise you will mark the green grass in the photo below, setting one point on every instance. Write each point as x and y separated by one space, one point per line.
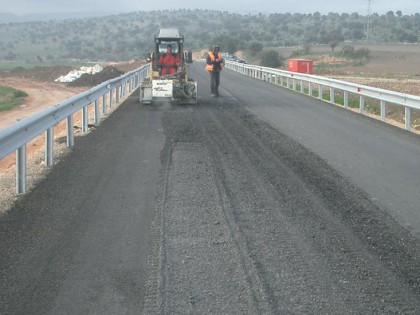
10 97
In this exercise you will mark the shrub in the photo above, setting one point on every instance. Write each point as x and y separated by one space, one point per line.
272 59
255 47
361 53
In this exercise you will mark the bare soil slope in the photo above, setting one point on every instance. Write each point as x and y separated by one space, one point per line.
391 66
43 92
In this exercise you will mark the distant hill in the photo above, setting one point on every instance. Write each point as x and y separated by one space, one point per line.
130 36
13 18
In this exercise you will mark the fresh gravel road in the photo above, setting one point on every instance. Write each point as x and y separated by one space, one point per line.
224 207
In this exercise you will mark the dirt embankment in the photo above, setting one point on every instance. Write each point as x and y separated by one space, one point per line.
43 92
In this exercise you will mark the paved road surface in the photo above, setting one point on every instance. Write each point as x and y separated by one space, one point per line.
231 206
380 159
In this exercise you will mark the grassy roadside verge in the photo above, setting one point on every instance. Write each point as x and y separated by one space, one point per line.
10 97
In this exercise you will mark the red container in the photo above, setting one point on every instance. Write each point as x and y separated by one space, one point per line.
300 65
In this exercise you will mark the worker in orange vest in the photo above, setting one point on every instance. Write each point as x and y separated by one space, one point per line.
168 62
214 66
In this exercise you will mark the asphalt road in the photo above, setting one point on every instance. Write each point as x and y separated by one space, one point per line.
257 202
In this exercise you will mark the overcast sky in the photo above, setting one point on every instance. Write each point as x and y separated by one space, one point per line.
21 7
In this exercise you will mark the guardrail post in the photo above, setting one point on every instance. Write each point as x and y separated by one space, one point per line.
320 91
302 88
362 104
310 89
96 112
346 99
85 119
21 170
118 93
70 132
49 147
383 110
294 85
332 95
407 118
110 98
281 81
104 104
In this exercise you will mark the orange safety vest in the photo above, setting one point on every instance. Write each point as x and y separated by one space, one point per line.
209 67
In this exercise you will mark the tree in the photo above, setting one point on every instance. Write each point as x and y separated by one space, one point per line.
335 37
334 43
272 59
226 43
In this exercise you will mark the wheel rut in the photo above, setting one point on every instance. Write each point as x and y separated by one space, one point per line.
253 223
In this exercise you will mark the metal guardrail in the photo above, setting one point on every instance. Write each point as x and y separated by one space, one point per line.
290 79
15 137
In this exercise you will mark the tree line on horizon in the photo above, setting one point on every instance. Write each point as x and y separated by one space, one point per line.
130 36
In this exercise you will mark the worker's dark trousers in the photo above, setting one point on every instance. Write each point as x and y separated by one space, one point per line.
214 82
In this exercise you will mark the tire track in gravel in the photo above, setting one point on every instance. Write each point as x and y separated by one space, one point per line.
244 210
304 239
341 248
341 240
197 268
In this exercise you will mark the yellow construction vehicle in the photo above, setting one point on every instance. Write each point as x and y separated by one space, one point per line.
176 87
